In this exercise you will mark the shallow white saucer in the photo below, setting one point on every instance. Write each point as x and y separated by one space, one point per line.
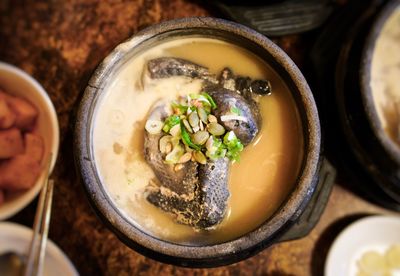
376 233
15 237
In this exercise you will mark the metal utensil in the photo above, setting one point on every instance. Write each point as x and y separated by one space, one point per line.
282 18
34 264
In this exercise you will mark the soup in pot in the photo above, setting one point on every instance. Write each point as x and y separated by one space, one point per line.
385 72
247 170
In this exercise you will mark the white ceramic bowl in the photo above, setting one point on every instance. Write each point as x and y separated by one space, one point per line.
16 238
17 82
374 233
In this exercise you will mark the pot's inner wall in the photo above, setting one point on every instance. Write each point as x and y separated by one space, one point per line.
259 183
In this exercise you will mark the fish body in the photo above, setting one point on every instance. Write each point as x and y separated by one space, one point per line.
197 194
230 102
166 67
206 207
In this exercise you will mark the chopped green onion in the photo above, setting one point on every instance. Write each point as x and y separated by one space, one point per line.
233 155
180 107
186 138
170 122
153 126
207 109
199 97
194 116
210 99
218 149
229 137
236 111
234 146
216 155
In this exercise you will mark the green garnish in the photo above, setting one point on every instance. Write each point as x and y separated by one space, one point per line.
236 111
190 133
233 145
219 149
170 122
186 138
199 97
206 100
210 99
182 109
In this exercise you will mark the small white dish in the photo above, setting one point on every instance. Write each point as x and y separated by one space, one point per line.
16 238
373 233
17 82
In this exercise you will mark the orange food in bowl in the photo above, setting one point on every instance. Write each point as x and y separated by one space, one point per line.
11 143
25 113
21 149
7 117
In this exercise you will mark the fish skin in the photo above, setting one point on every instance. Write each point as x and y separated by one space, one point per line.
165 67
225 100
209 204
226 79
214 191
185 211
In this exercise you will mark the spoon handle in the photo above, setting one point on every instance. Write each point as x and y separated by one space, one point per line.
37 247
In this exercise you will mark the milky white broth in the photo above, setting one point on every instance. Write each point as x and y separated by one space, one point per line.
258 184
385 76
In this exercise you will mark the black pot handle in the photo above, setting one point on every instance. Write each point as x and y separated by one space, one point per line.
311 215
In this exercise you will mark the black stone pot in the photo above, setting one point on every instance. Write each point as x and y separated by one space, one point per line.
250 243
385 152
341 60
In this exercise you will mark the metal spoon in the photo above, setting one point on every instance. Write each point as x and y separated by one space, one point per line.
11 264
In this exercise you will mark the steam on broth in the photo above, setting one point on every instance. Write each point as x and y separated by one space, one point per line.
258 184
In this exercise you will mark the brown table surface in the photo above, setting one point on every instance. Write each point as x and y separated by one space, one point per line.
60 43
